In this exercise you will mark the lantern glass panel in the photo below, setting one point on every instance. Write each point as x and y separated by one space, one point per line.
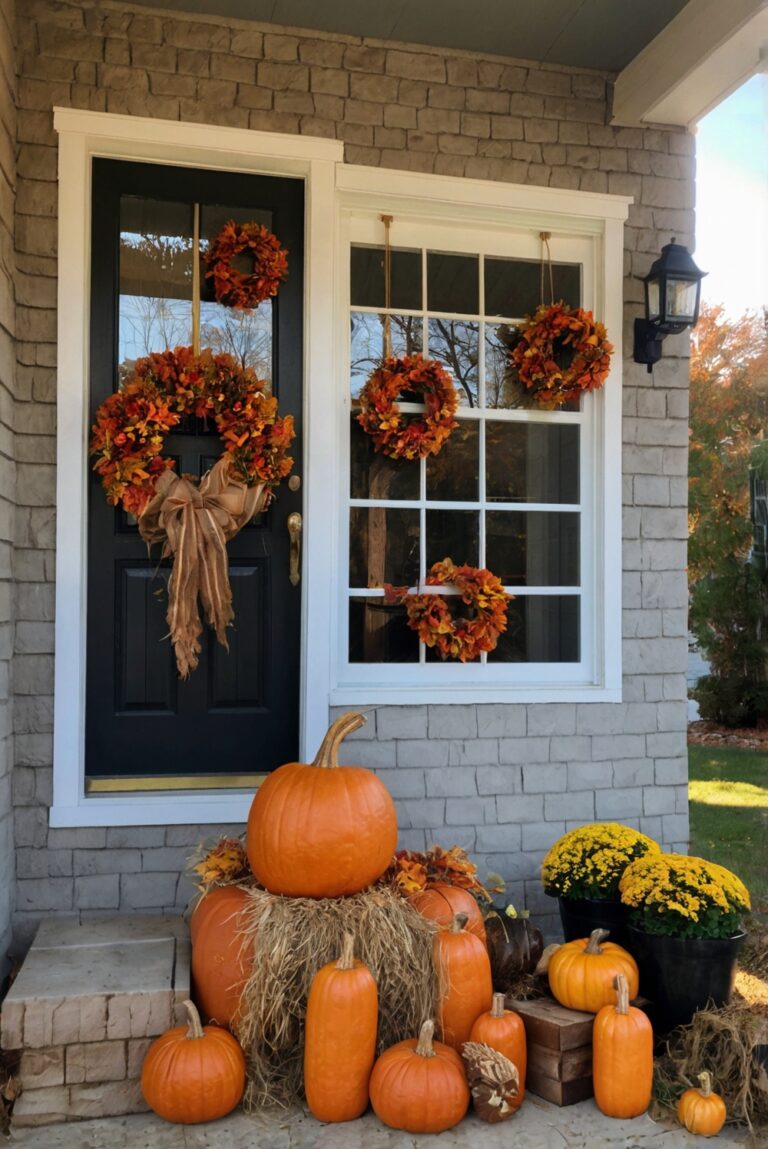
653 295
681 300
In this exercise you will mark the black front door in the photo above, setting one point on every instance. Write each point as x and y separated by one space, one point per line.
238 711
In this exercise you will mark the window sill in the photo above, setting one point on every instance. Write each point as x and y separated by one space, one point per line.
464 695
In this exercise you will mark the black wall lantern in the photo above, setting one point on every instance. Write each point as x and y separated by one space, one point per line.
672 293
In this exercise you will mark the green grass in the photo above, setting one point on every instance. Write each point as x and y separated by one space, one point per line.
729 813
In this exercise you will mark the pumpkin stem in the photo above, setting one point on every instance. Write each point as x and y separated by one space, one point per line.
593 945
497 1005
195 1027
622 992
347 957
424 1047
705 1080
328 754
459 922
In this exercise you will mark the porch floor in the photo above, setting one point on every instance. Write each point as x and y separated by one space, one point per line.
538 1125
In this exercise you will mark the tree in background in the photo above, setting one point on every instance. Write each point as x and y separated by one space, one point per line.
728 603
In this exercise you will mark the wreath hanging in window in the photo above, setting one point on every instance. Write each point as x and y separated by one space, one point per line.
244 290
193 521
455 635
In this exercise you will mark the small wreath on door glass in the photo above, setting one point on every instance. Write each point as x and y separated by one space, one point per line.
451 634
246 289
403 436
132 425
560 352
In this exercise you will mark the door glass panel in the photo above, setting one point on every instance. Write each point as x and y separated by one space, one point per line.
513 286
454 535
367 343
454 343
534 548
375 476
367 288
540 628
383 547
531 462
155 304
379 632
452 474
453 283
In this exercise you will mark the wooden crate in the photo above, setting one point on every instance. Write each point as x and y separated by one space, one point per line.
559 1044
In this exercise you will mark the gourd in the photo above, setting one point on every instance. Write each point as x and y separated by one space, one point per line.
581 973
622 1057
220 967
440 902
193 1073
700 1110
464 979
321 830
515 946
493 1082
504 1031
419 1085
340 1037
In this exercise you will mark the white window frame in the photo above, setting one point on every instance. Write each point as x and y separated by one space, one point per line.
332 189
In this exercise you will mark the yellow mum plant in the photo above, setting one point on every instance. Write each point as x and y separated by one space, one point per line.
588 862
683 897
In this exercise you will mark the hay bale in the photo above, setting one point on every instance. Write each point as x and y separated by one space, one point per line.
290 939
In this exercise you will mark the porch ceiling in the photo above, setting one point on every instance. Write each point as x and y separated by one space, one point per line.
601 34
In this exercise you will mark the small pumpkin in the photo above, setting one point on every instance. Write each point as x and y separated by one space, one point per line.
193 1073
464 979
440 902
321 830
220 965
581 973
700 1110
419 1085
504 1031
622 1057
340 1037
514 947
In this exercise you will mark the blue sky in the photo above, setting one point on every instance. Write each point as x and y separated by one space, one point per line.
732 199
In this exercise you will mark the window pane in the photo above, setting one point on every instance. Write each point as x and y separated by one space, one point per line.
513 286
383 547
380 633
367 278
452 474
454 535
155 277
367 343
538 548
455 343
540 628
375 476
531 462
452 283
502 386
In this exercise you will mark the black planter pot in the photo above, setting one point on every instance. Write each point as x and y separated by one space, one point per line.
681 975
581 916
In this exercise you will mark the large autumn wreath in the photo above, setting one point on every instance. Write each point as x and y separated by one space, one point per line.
559 353
403 436
456 636
192 520
269 265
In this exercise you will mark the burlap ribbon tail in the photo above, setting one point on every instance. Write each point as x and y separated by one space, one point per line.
194 522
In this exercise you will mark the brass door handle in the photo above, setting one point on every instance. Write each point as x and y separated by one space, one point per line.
294 525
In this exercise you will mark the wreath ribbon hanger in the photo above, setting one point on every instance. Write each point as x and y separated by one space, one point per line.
546 256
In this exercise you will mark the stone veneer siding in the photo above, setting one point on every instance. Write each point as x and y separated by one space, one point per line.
503 780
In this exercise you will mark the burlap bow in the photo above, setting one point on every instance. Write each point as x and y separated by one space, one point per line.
194 522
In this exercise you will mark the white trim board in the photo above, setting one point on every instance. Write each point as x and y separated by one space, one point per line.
331 188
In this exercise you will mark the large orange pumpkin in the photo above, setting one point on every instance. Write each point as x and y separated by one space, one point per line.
322 830
419 1086
700 1110
464 977
582 973
192 1074
440 902
220 967
504 1031
340 1037
622 1057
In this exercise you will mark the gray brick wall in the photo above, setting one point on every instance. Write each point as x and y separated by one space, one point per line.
7 457
501 780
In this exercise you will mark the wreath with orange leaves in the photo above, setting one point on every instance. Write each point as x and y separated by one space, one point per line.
560 353
400 436
239 289
133 423
455 636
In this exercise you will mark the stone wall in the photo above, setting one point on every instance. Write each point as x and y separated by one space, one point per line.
502 780
7 457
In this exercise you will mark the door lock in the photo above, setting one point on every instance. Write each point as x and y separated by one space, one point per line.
294 524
